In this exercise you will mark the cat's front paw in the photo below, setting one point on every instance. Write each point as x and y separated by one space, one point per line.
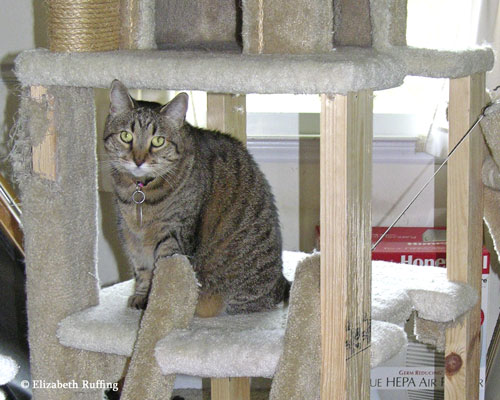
138 301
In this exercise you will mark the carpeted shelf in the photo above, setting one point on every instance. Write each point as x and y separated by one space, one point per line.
251 345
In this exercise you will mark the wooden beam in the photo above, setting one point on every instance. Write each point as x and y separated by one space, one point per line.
465 233
44 154
227 113
230 388
346 139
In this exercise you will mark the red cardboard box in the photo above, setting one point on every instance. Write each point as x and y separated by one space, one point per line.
417 246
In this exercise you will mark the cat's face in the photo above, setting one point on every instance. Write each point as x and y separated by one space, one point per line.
143 140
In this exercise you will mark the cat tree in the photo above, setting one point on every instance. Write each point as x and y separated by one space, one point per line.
343 50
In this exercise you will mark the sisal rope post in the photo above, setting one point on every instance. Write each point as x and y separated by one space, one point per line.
83 25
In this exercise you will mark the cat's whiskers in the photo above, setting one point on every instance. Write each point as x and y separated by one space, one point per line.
168 175
107 162
164 177
114 169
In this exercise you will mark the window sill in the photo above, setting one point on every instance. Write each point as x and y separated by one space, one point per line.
306 149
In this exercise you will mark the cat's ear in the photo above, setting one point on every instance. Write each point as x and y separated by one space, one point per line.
175 110
120 100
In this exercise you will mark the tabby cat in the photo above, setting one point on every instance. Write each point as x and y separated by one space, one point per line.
185 190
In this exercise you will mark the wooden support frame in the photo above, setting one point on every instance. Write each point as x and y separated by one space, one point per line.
465 233
227 113
44 154
345 169
230 388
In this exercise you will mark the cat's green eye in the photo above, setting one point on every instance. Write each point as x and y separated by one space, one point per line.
126 136
158 141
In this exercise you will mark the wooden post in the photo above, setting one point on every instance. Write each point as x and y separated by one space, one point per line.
227 113
346 139
44 154
230 388
465 233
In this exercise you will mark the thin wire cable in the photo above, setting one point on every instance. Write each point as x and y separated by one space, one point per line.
479 118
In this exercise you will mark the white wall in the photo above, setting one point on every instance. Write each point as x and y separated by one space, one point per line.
399 172
16 28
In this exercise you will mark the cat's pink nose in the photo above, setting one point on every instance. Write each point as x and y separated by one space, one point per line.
139 162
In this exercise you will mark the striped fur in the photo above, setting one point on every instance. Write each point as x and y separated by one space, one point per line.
205 198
